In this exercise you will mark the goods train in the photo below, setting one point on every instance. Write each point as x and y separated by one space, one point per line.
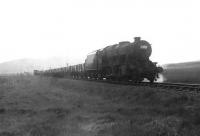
125 61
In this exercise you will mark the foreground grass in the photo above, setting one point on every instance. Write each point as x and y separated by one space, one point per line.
34 106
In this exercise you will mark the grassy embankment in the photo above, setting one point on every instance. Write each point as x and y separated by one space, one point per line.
33 106
188 72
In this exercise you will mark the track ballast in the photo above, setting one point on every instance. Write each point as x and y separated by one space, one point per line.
166 85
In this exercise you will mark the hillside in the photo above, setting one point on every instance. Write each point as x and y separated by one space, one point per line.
28 65
193 64
188 72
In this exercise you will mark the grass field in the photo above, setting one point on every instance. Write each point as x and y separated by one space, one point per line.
39 106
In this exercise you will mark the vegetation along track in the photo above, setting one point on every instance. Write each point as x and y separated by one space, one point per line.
168 85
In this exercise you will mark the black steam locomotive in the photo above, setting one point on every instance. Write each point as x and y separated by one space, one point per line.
124 61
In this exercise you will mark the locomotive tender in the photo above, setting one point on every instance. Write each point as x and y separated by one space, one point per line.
123 61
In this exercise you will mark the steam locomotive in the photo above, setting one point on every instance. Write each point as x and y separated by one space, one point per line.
125 61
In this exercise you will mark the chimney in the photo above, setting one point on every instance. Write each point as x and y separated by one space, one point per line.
137 39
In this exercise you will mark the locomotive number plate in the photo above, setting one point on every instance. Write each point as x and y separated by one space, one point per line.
143 47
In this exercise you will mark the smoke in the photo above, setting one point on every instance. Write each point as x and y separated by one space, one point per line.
161 78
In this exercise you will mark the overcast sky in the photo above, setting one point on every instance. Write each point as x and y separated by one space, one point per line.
73 28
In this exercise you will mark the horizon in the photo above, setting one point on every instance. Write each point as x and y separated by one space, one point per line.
70 62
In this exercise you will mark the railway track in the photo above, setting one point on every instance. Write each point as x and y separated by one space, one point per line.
166 85
175 86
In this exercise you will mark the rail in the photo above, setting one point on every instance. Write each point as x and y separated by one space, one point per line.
167 85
